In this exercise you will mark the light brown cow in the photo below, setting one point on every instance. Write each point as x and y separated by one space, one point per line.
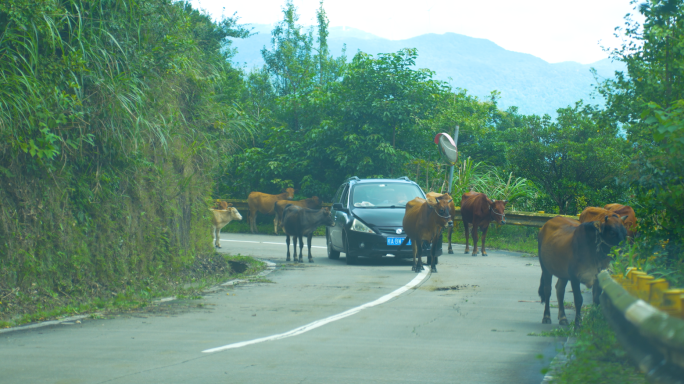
423 222
220 218
479 210
452 212
311 203
265 203
625 210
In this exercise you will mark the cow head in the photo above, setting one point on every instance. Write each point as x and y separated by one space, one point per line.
328 220
234 214
610 232
496 210
440 205
290 193
222 205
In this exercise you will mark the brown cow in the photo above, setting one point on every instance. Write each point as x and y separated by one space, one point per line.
299 222
617 210
625 210
452 212
220 218
264 203
311 203
577 252
479 210
423 222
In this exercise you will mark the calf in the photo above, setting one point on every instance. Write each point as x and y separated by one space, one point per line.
423 222
575 252
264 203
220 218
479 210
299 222
311 203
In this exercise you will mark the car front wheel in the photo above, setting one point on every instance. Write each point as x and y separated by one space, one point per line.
332 254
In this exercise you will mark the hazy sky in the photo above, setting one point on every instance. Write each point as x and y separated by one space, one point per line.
554 30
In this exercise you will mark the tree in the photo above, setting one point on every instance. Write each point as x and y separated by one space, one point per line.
575 160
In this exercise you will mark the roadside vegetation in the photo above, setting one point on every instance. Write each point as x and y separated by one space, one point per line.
120 121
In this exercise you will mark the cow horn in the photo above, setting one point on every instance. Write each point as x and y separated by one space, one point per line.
623 218
606 219
450 200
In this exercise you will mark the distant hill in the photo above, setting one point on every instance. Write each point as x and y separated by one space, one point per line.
478 65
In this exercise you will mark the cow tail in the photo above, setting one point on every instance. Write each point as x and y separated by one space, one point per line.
406 240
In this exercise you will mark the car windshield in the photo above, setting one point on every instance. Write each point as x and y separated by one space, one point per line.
384 195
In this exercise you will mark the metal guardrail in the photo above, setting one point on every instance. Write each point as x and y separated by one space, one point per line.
527 219
652 338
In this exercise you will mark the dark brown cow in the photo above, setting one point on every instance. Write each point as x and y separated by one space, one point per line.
575 252
311 203
625 210
424 221
299 222
264 203
452 213
479 210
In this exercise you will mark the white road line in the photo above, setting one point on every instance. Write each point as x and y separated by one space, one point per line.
267 242
319 323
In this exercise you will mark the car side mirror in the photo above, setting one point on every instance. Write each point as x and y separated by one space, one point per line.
338 207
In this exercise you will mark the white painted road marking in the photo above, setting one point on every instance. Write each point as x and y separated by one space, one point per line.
319 323
266 242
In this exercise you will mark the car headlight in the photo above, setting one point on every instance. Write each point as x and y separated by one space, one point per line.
358 226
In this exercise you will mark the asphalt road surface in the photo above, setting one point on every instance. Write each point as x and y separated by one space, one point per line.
468 323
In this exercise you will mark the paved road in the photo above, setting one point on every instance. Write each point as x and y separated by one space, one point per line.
468 323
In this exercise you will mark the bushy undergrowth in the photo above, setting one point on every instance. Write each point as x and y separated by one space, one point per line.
505 237
189 281
597 356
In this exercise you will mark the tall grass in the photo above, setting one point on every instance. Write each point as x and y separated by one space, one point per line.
112 113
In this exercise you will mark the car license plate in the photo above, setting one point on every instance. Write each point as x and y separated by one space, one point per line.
396 241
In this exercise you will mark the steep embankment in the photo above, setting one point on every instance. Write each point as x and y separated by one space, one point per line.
110 114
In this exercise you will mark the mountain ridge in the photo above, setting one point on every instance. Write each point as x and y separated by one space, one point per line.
478 65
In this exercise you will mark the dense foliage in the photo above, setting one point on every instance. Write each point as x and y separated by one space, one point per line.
111 115
649 103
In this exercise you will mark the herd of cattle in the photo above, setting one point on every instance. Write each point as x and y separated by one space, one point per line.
572 250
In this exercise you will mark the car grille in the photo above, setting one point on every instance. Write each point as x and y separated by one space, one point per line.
391 231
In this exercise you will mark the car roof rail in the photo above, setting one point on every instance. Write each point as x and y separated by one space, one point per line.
404 178
354 178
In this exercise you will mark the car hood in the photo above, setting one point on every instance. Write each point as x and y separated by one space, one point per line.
381 217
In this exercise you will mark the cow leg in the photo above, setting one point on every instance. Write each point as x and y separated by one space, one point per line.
287 241
484 237
275 224
474 239
433 257
560 296
467 236
252 221
451 230
416 256
577 292
308 243
545 294
301 247
217 234
596 292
